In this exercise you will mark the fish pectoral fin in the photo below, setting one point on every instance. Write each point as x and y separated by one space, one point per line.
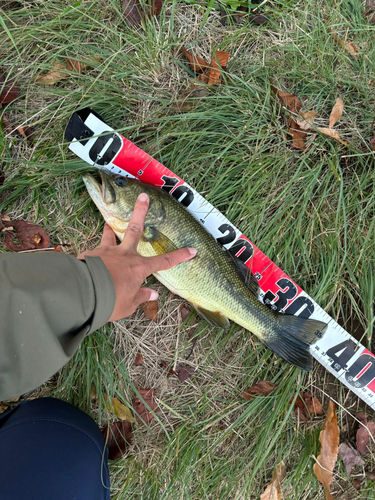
159 242
246 275
216 318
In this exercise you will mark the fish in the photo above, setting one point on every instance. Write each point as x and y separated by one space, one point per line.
219 286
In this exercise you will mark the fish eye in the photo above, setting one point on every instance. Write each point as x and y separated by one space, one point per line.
120 181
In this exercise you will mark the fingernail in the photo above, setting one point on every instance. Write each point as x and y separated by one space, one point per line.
154 295
143 197
193 251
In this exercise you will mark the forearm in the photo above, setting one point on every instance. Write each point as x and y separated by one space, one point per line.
48 303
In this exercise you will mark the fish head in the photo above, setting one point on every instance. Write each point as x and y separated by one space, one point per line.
115 197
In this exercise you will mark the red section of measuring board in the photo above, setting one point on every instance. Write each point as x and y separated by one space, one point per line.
138 163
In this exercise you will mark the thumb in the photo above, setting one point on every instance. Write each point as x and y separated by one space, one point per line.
144 295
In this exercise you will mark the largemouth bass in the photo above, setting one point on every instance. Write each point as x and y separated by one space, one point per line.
217 285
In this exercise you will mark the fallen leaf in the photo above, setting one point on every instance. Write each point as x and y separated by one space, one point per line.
120 410
329 440
348 47
370 475
350 458
298 137
185 311
306 120
150 310
336 112
138 359
258 19
183 372
134 13
307 405
8 88
197 63
118 436
357 484
3 407
61 70
260 389
52 76
273 490
164 364
143 414
29 236
363 433
330 132
290 100
218 62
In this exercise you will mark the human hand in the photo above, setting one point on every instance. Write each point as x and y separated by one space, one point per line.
129 269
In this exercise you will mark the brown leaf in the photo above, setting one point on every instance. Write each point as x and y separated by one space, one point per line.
134 13
370 475
164 364
197 63
218 62
299 137
260 389
336 112
61 70
150 309
307 405
53 76
185 311
306 121
3 407
350 458
143 414
348 47
184 372
330 132
29 236
273 490
363 436
329 440
8 89
118 436
290 100
258 19
357 484
138 359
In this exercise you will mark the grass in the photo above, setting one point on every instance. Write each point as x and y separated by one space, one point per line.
311 212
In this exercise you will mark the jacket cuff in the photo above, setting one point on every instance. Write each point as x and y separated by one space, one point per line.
105 293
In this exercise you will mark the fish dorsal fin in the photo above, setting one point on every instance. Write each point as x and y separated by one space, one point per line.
160 243
213 317
246 275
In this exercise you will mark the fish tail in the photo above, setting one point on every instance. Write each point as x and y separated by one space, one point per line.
291 339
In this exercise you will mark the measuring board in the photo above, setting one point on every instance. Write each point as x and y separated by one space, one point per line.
99 145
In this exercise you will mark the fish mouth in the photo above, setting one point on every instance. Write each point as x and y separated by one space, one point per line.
104 190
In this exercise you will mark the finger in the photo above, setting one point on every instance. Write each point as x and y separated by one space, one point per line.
169 260
144 295
135 227
109 237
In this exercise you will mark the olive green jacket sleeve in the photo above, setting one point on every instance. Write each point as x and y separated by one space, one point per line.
48 303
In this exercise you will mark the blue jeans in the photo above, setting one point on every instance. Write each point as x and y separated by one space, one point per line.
50 450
